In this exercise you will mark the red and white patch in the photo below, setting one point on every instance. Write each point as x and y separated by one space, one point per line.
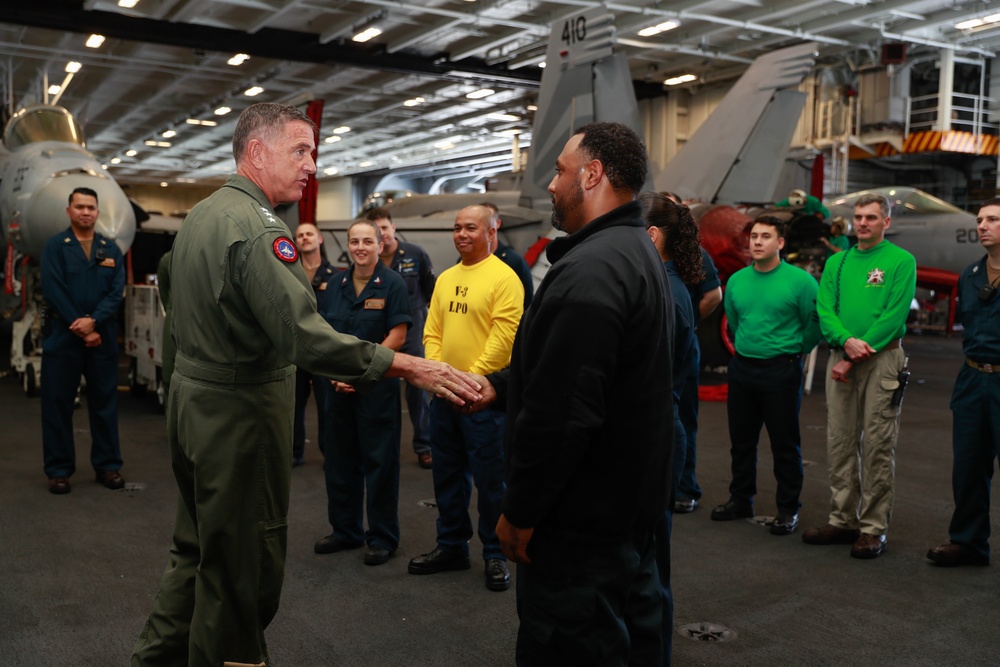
285 250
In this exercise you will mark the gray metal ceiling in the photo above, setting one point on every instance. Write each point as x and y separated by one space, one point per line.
165 61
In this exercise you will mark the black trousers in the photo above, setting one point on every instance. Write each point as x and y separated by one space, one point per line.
590 605
766 393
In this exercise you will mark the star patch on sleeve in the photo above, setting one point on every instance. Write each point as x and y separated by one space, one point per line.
285 250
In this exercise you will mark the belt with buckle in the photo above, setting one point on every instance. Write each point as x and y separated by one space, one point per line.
982 368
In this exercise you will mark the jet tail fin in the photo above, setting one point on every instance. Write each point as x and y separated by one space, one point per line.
737 153
584 81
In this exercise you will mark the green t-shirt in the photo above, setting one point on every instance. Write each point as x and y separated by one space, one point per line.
772 313
875 287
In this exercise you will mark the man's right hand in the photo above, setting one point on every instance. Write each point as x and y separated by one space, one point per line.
858 350
489 396
436 377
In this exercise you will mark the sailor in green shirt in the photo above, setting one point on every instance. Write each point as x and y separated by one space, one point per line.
771 308
864 299
244 316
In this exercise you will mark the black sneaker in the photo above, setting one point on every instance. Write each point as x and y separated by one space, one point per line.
332 544
731 511
377 555
784 524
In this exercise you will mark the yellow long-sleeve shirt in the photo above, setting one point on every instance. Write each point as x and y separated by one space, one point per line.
473 316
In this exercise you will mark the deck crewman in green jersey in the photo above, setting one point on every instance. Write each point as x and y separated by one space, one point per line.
864 298
771 307
244 316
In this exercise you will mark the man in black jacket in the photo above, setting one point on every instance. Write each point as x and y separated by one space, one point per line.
589 431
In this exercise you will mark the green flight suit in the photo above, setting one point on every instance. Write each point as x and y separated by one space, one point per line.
244 316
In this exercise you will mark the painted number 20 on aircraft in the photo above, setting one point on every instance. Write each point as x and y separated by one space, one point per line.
575 30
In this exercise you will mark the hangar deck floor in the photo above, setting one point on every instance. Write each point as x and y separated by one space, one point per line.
80 571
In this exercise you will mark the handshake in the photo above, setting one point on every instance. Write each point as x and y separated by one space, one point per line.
468 391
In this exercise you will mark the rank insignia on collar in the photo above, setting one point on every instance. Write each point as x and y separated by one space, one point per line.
285 250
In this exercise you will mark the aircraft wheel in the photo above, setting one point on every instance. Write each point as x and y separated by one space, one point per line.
29 381
136 388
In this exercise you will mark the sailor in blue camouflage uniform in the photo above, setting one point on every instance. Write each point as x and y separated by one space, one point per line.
83 278
975 402
244 317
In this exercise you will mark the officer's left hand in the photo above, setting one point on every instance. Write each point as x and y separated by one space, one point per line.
840 370
93 339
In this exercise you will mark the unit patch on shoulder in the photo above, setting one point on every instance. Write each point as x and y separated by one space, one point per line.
285 250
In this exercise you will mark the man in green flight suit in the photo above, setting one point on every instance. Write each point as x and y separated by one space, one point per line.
244 316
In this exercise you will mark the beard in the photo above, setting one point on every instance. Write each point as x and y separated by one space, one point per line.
569 204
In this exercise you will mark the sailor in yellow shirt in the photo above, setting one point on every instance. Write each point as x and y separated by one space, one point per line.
471 323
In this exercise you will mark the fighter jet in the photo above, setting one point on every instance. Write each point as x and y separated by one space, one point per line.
44 159
942 237
585 80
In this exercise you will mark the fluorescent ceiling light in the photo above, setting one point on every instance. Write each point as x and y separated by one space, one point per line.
94 41
366 163
72 67
341 130
253 92
222 111
508 133
169 134
238 59
131 152
206 123
128 4
115 160
481 93
444 145
532 107
542 64
414 102
330 171
158 144
657 29
332 140
163 184
975 23
683 78
366 34
54 89
503 116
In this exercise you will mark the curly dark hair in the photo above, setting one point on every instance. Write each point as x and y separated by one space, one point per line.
620 150
683 242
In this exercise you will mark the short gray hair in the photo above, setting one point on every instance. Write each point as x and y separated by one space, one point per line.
874 198
262 121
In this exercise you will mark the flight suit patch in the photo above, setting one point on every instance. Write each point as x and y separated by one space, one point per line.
285 250
374 304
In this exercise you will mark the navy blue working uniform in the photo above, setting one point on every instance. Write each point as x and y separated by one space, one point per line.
304 380
518 266
688 405
975 407
75 287
414 266
361 445
685 344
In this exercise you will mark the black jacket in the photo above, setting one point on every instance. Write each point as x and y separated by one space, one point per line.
589 433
